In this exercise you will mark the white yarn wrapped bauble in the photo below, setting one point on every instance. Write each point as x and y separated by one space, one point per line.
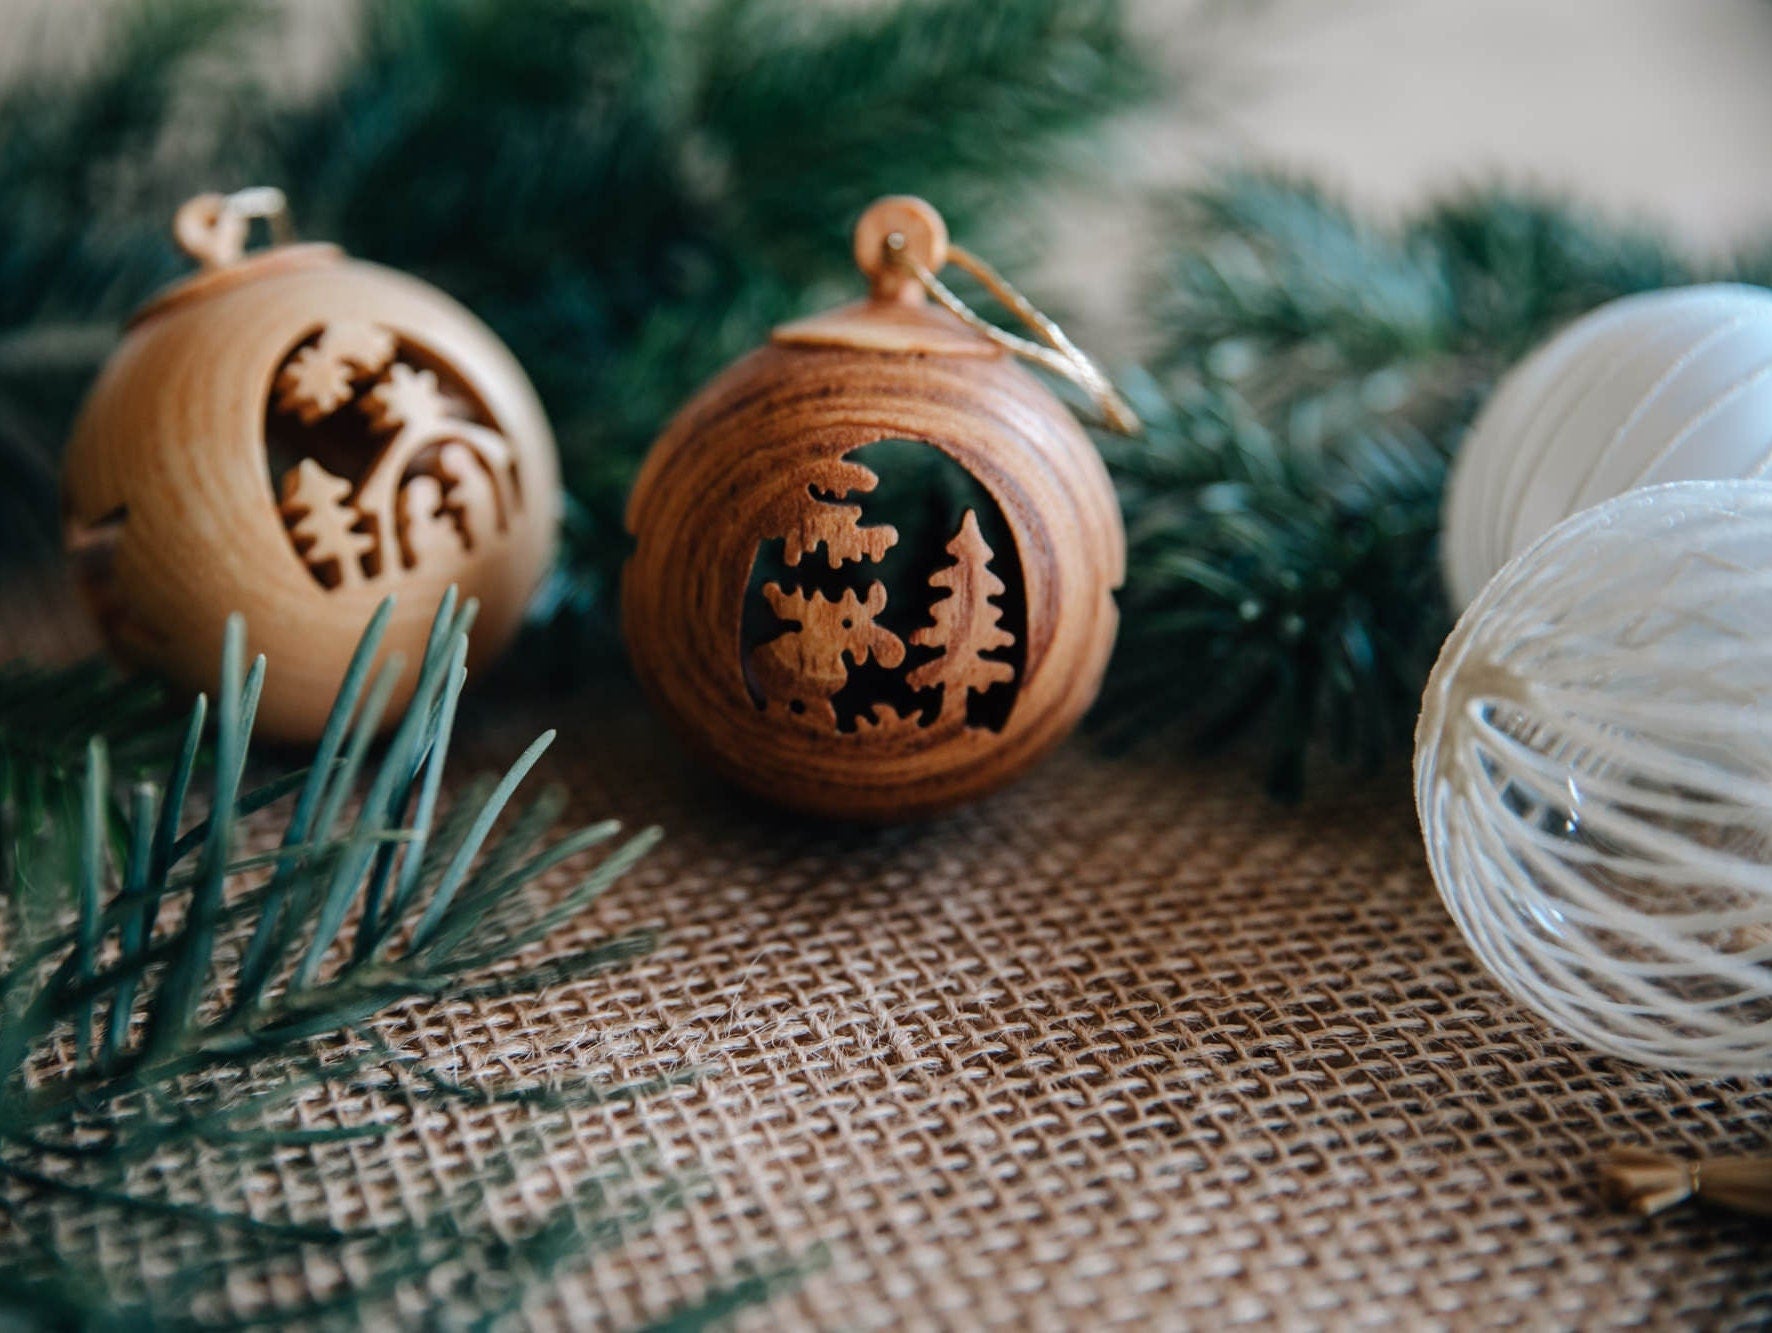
1665 386
1593 773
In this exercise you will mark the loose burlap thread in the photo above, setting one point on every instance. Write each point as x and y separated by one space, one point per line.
1124 1046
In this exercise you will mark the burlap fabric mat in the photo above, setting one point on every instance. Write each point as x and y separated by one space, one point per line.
1125 1046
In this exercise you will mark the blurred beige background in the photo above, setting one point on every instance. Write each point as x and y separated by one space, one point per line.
1650 109
1655 109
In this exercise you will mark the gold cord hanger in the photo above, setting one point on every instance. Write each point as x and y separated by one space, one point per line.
1056 352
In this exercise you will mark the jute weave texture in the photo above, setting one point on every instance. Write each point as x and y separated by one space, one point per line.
1125 1046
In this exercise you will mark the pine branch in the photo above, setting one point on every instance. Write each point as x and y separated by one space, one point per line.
86 184
964 103
1273 583
170 1001
46 721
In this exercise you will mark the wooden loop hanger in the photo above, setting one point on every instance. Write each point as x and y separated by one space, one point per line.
904 238
213 228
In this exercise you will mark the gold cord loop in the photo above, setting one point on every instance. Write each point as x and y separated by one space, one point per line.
1058 354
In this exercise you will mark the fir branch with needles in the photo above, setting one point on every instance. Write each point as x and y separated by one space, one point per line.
46 720
175 997
88 165
1268 585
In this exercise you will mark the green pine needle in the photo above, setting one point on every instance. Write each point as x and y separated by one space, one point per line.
1271 584
47 721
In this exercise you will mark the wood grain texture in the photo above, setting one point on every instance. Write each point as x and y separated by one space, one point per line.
759 456
294 436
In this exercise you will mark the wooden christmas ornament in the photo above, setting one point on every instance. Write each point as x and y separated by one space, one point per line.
875 559
295 435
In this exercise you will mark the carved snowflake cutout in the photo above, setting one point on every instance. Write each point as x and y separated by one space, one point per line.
320 379
406 398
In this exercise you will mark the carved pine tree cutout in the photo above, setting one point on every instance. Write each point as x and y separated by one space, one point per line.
849 629
413 474
885 719
316 506
471 496
427 431
965 626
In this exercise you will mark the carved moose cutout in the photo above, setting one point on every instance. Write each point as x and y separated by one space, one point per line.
804 668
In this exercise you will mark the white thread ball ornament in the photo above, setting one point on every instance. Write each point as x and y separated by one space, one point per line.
1664 386
1593 774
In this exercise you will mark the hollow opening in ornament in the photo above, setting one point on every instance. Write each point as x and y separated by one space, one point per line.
383 455
886 596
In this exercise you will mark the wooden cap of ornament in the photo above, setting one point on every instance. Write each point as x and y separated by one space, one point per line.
896 316
213 229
